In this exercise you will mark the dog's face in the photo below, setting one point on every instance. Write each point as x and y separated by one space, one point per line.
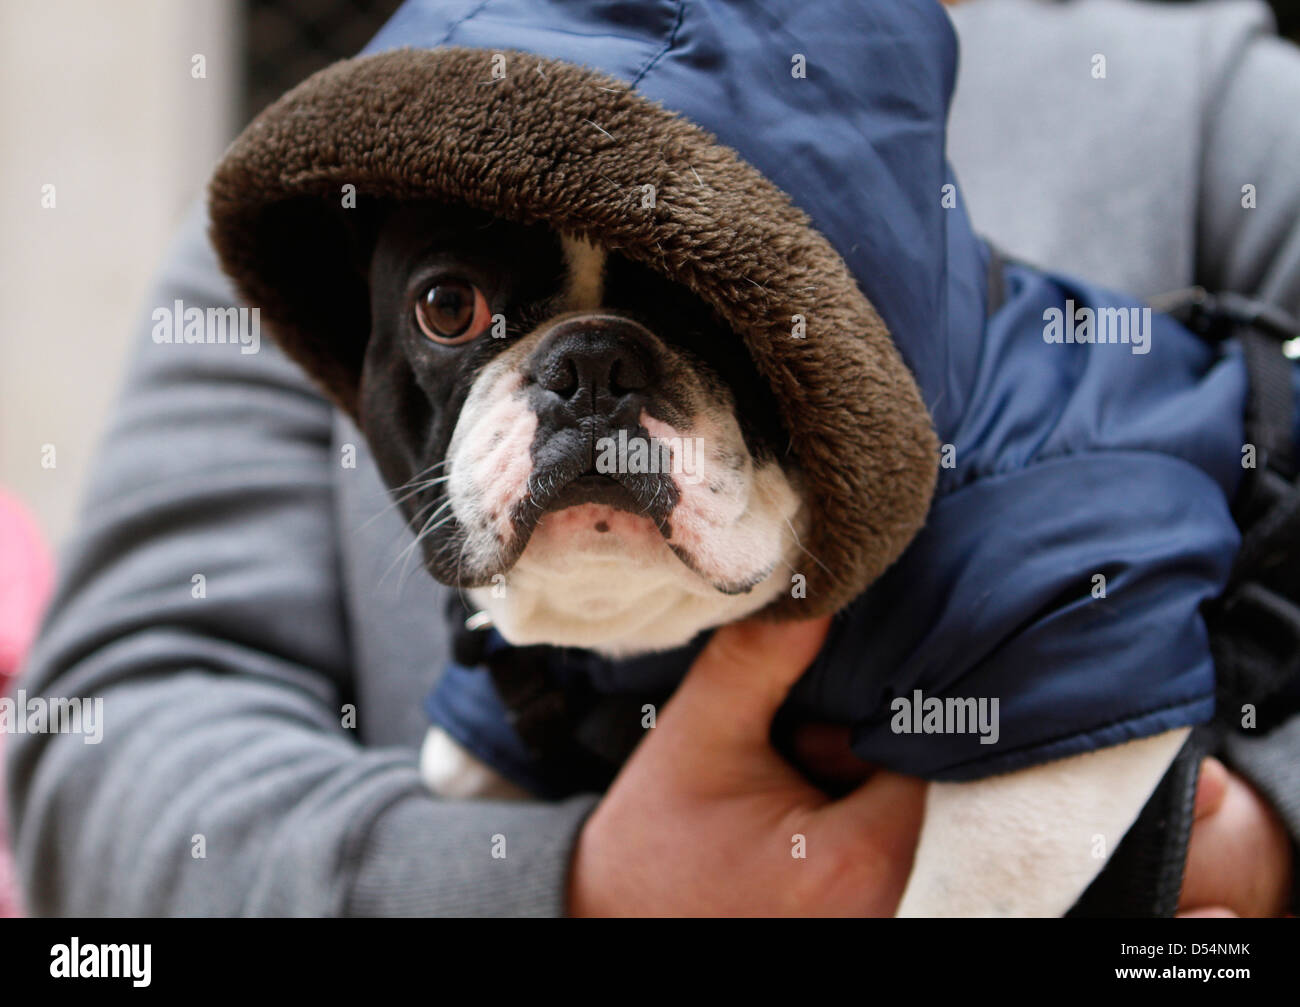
573 438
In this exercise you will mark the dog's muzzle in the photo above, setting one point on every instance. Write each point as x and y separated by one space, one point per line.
591 377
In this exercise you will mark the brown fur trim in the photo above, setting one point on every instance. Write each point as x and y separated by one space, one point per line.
562 144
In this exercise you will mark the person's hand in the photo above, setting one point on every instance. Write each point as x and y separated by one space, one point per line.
1239 856
706 818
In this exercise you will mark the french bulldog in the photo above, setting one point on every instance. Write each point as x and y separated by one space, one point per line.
566 420
563 423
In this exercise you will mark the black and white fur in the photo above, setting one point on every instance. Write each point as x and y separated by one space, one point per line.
490 447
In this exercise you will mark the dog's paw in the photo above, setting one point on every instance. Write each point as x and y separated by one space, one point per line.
451 771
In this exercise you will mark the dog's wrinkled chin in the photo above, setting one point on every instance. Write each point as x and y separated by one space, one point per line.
621 591
674 553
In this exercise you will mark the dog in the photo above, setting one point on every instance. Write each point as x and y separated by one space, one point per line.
580 446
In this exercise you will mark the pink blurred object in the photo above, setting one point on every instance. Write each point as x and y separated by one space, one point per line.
26 579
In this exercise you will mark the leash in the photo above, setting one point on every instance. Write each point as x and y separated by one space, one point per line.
1255 624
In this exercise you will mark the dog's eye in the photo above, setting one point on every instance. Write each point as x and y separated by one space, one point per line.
452 312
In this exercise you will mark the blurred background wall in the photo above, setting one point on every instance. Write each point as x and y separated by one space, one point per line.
99 99
96 100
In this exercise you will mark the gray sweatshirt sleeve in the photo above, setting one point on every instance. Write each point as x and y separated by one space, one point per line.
200 600
1249 201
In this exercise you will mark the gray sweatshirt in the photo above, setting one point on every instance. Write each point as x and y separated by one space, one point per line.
237 591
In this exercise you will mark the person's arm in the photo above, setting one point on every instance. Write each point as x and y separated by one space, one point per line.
224 782
1248 239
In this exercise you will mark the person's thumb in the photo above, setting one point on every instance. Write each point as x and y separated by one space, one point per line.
1211 788
742 676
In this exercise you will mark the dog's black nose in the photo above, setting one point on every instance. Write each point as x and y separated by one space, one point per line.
596 366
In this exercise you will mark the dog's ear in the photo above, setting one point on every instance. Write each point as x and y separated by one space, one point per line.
362 224
314 253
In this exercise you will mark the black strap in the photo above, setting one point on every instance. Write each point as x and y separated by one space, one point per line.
1270 417
1255 624
1144 878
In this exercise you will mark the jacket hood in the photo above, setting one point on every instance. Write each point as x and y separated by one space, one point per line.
797 156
